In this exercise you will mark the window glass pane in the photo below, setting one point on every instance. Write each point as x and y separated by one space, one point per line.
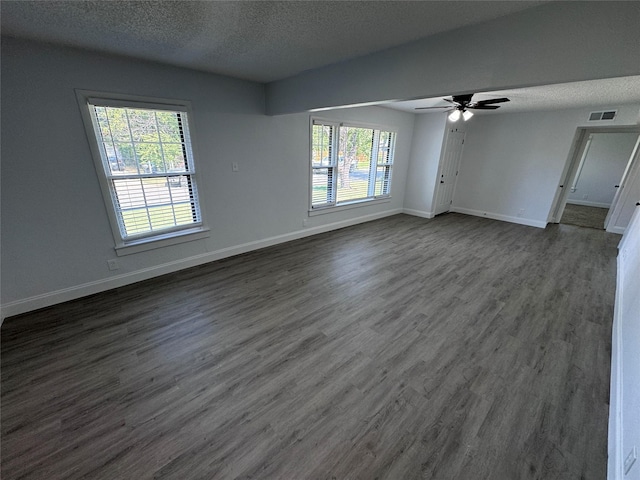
136 221
383 177
352 173
150 157
353 182
321 145
143 125
152 203
184 213
384 147
125 154
321 188
174 157
168 126
179 185
115 164
101 116
118 123
143 143
354 163
156 191
129 193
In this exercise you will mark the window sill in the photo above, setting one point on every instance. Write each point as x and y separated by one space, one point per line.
160 241
347 206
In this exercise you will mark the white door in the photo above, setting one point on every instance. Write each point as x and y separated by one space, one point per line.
620 186
449 170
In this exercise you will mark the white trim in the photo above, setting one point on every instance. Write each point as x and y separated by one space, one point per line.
418 213
348 123
173 238
629 177
615 229
497 216
614 463
51 298
346 206
583 158
336 125
587 203
84 97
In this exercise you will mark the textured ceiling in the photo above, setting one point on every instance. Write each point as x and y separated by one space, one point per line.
255 40
609 92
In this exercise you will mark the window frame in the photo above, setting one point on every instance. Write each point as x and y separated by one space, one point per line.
151 239
374 164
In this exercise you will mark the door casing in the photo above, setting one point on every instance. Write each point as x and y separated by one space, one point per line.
571 166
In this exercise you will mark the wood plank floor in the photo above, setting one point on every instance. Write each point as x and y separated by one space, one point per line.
584 216
404 348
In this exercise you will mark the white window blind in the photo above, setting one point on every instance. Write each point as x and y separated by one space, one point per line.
148 165
349 164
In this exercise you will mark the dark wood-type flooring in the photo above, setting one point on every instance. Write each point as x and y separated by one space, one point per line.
584 216
404 348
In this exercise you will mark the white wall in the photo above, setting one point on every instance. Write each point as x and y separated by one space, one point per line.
513 163
603 167
428 137
554 43
624 415
56 237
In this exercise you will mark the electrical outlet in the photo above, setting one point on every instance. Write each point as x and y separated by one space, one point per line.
585 196
113 264
630 460
235 167
521 212
305 223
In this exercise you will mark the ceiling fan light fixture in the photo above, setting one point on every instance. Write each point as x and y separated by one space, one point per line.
466 115
455 115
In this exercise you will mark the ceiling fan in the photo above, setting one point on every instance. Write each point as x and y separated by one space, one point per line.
461 104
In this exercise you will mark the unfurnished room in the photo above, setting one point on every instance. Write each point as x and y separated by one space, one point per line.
320 240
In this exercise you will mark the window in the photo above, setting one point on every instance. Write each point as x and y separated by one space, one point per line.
349 164
146 167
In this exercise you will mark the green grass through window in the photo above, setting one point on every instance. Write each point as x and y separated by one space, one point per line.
137 220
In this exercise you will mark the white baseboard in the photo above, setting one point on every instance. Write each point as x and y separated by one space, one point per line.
51 298
418 213
614 462
618 230
586 203
497 216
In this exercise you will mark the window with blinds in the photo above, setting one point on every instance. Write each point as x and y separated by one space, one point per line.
147 166
349 164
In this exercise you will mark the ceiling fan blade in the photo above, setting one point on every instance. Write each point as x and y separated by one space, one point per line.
484 107
492 100
429 108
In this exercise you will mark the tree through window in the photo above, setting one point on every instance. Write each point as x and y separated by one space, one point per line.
147 167
349 163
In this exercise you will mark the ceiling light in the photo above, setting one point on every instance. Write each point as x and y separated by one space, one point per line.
454 116
466 115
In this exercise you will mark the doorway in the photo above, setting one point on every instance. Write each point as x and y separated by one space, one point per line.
595 174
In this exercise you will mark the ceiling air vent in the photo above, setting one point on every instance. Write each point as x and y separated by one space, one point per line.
596 116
